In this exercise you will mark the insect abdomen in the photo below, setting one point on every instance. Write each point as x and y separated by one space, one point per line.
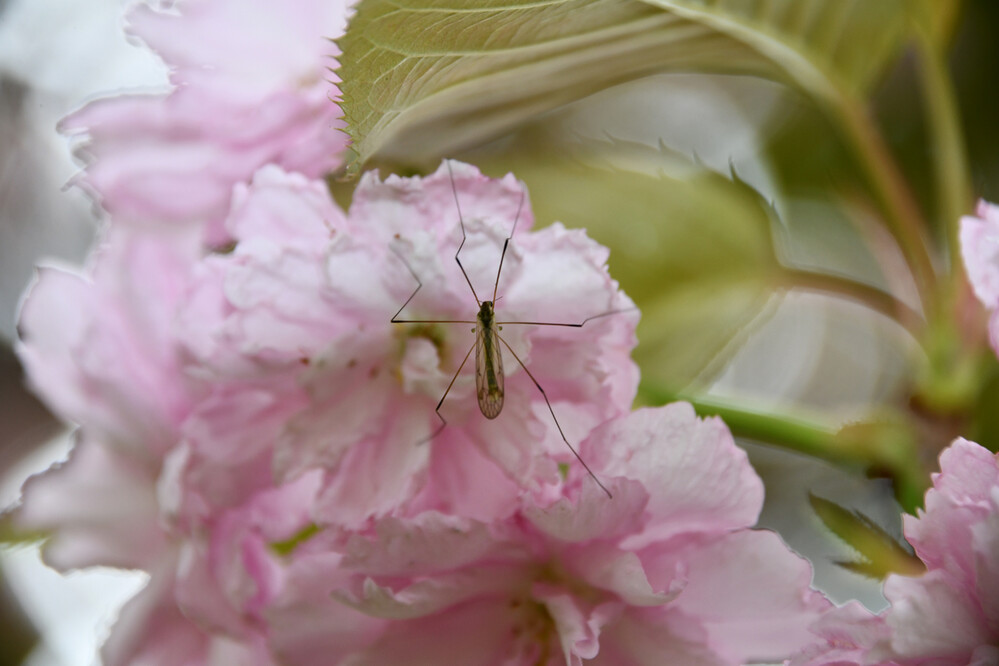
488 364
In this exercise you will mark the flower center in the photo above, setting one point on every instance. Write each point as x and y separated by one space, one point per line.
532 632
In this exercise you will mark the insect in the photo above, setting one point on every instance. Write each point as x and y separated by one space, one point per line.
489 377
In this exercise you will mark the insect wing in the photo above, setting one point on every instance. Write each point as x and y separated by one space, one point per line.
488 371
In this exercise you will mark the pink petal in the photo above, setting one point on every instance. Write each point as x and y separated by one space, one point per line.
959 499
54 320
623 574
698 479
151 631
932 617
223 45
985 544
306 625
377 473
850 636
472 634
433 595
429 542
968 472
747 589
104 351
237 106
980 249
656 636
287 209
465 482
593 515
101 507
578 629
238 422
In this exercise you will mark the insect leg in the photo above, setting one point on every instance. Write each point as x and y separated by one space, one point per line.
437 409
556 323
395 318
506 243
461 221
557 425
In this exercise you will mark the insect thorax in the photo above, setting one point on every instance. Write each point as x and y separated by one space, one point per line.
486 315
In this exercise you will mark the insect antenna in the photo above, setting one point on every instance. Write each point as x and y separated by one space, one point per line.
557 424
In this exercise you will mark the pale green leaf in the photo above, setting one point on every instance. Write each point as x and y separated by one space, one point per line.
422 78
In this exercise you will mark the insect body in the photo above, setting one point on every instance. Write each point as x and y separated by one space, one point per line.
489 380
488 363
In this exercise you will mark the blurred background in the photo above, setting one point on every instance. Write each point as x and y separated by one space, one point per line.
801 348
54 56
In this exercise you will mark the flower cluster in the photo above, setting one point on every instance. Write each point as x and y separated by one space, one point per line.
258 435
254 433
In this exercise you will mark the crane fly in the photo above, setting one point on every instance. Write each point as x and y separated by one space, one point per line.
489 377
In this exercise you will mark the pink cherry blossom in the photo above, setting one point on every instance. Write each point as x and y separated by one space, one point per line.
950 615
980 250
666 572
230 401
293 331
250 88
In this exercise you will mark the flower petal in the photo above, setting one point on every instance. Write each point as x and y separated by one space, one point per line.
931 616
101 507
747 589
698 479
979 237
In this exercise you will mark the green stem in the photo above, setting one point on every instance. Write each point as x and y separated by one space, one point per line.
905 220
871 297
950 159
788 432
875 446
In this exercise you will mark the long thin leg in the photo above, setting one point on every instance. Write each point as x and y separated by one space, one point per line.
555 323
395 318
506 243
461 221
437 410
557 425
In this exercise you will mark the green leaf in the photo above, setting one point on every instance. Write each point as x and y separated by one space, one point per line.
878 553
424 77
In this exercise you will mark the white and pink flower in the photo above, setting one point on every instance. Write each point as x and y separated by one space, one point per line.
251 87
950 614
